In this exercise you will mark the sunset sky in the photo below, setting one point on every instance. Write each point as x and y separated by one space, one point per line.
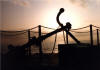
25 14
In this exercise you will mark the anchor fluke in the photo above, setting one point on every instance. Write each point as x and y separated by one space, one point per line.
61 10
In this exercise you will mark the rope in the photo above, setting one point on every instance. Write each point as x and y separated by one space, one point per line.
22 33
19 31
81 32
33 28
80 28
12 31
38 32
15 34
71 29
96 26
55 42
48 28
44 27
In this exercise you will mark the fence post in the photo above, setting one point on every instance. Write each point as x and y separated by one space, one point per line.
91 36
97 37
29 48
40 44
67 38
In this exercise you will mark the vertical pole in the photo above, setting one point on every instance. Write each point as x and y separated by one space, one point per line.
97 37
67 37
91 36
40 44
29 48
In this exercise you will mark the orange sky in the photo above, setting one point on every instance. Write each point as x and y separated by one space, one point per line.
25 14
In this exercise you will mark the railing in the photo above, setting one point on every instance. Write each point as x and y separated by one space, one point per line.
40 33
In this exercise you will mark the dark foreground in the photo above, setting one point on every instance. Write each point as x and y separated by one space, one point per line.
33 62
67 59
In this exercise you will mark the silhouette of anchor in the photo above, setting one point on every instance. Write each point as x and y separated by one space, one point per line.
66 28
68 25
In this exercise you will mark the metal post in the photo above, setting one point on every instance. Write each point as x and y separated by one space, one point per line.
91 36
29 48
40 44
67 38
97 37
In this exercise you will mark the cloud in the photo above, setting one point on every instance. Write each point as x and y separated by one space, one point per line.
23 3
85 3
82 3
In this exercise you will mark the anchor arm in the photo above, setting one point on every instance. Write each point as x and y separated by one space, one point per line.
73 37
35 40
57 18
51 33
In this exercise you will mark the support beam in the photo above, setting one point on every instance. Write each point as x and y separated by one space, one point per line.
73 37
56 31
91 36
97 37
29 48
40 42
67 37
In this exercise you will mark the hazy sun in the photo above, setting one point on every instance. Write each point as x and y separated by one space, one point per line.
50 19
